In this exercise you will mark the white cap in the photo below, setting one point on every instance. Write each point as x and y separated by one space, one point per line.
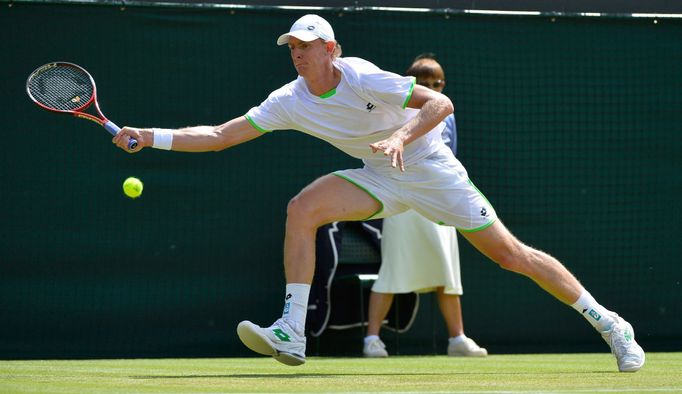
308 28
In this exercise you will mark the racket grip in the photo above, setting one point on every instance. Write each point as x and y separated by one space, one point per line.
113 130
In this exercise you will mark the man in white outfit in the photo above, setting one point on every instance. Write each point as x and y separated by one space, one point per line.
394 127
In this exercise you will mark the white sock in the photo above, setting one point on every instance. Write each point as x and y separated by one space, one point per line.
296 306
593 312
457 339
370 338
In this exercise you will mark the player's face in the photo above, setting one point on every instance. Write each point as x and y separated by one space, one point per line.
308 57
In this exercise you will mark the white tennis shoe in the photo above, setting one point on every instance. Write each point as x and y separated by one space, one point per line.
279 341
375 348
621 339
466 348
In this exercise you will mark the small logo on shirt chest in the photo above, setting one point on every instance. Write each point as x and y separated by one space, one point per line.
370 107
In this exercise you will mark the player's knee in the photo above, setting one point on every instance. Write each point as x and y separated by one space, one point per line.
300 213
523 260
508 261
512 259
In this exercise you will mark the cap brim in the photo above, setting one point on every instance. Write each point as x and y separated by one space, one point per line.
302 35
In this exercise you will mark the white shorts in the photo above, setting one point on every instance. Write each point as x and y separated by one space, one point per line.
437 187
417 255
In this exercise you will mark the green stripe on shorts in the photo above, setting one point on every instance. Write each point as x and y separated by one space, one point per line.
366 191
483 227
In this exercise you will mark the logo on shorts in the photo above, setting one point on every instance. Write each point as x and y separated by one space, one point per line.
370 107
484 212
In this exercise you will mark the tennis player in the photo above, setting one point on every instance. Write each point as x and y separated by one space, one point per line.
394 126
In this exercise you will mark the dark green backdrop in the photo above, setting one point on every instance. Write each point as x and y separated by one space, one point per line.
570 126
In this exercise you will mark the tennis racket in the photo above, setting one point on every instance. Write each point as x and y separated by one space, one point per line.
68 89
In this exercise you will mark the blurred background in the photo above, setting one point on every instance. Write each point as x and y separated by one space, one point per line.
570 123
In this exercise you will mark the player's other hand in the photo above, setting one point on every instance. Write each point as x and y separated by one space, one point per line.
143 138
393 147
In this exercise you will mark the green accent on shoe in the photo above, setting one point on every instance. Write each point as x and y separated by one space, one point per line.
628 335
283 336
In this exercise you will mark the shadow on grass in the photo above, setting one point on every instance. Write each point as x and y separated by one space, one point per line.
332 375
278 375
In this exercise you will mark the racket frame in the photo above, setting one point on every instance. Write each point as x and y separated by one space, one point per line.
78 112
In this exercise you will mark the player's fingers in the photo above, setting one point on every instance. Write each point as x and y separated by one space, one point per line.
122 143
394 159
121 140
119 136
378 146
124 136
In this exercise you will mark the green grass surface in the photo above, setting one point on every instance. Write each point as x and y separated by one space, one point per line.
537 373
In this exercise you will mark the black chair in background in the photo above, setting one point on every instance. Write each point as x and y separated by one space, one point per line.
348 260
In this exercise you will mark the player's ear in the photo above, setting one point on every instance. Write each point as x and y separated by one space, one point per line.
330 46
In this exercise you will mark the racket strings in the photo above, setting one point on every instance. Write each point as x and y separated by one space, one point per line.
62 88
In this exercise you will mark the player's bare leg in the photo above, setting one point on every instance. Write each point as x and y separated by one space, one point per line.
502 247
326 200
497 243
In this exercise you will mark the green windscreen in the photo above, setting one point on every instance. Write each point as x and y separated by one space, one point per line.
570 126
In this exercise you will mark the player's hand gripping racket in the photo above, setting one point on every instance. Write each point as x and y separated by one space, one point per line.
67 88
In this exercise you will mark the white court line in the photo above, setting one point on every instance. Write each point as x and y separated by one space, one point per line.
657 390
621 390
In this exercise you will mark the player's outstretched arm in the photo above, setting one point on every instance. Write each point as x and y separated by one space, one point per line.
189 139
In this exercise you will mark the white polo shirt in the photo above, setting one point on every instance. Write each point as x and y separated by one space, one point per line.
367 106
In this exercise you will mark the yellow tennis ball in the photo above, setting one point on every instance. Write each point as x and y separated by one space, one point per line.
132 187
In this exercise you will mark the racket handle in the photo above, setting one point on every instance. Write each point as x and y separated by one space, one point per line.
113 129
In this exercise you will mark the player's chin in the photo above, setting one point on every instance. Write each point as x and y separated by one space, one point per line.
300 69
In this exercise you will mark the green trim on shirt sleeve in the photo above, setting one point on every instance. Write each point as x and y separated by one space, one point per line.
409 94
255 126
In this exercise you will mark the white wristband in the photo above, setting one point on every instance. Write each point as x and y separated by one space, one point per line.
163 139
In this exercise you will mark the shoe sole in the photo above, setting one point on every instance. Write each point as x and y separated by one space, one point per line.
483 352
289 359
374 355
251 336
